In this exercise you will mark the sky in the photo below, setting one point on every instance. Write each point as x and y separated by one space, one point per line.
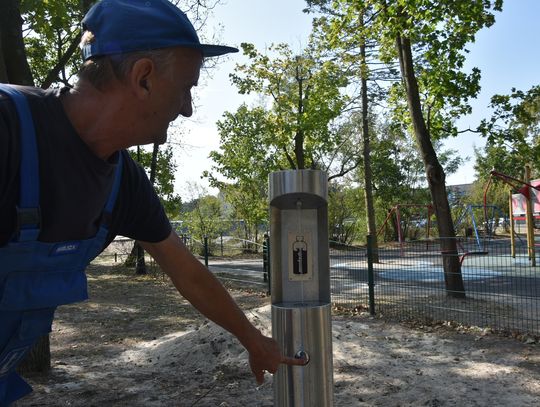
508 55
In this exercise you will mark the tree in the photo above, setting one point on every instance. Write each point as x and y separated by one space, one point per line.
52 37
292 128
45 52
512 140
243 148
342 35
429 38
512 133
343 213
445 29
205 217
249 204
304 98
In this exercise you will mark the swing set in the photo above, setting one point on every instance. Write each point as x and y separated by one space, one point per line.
524 188
521 207
492 214
419 220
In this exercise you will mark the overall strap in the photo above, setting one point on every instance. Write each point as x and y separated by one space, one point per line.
109 206
28 215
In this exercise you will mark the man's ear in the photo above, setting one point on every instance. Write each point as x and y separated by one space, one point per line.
141 77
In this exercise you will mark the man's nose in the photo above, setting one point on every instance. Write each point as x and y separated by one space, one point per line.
187 108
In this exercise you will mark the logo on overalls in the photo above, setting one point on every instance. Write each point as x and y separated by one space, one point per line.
65 248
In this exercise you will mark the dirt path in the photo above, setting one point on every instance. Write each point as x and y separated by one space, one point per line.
137 343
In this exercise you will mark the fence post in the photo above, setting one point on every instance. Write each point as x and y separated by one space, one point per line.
266 261
371 283
221 242
206 251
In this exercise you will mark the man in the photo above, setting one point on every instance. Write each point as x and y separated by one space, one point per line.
68 187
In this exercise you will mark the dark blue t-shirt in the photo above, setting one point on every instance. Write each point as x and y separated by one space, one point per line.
74 183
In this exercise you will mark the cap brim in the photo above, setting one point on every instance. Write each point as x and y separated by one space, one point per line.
215 50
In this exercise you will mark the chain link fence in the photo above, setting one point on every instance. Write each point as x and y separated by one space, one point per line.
222 255
502 290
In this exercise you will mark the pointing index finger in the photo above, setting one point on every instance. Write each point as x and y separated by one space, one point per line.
294 361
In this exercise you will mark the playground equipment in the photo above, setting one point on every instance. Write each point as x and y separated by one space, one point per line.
422 219
492 214
300 286
521 206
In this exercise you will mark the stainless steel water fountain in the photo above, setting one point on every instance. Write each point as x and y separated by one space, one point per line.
300 285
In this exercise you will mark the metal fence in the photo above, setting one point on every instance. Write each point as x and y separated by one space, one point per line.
230 258
501 291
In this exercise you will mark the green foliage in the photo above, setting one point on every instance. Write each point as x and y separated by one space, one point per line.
497 195
292 129
345 213
249 203
52 31
303 97
164 182
398 171
204 217
245 160
246 143
512 141
512 133
439 31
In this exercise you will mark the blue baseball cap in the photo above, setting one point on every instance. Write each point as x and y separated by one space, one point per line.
121 26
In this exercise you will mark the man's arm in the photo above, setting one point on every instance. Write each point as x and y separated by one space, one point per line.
199 286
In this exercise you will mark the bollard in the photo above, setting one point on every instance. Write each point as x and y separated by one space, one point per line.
206 251
221 242
371 280
266 263
265 258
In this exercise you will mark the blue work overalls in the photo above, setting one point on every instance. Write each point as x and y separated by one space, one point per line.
36 277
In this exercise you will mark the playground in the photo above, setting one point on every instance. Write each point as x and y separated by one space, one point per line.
137 343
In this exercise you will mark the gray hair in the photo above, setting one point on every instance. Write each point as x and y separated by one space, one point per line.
100 71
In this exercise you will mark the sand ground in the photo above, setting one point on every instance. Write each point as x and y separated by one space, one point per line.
136 342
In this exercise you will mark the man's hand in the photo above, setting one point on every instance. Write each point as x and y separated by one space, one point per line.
200 287
265 355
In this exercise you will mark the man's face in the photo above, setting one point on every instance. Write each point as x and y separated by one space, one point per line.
172 93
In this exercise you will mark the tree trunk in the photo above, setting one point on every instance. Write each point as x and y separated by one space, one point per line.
299 136
140 267
368 189
3 68
13 63
435 174
136 259
153 164
38 359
